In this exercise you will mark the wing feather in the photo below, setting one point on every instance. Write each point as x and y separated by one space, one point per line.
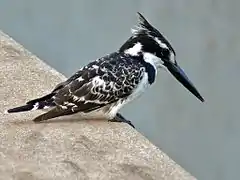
100 83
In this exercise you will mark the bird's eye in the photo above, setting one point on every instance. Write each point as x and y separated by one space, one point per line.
165 52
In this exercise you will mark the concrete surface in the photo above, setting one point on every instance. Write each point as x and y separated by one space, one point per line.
67 149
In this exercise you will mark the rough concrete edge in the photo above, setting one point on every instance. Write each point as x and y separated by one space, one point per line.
43 65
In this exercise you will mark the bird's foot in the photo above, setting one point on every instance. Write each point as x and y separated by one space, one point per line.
120 118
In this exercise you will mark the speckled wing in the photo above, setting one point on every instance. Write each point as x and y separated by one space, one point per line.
104 81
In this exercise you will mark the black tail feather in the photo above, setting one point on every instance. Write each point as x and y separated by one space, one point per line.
40 103
44 98
26 107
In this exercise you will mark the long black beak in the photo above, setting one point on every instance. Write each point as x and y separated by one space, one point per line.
179 74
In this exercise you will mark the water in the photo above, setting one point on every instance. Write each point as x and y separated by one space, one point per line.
202 137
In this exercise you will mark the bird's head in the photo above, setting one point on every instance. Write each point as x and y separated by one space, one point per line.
149 45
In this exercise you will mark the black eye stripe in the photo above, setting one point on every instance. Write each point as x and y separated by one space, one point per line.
165 52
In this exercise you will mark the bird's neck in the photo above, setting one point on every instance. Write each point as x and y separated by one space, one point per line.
151 64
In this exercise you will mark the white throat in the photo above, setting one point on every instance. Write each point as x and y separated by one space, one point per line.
155 61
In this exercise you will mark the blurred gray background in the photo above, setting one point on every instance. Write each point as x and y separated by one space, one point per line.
201 137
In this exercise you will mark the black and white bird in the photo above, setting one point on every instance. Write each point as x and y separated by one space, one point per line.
101 88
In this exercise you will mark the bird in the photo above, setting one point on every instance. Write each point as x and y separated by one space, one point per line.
101 88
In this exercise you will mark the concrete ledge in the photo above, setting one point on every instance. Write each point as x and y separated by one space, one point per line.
69 149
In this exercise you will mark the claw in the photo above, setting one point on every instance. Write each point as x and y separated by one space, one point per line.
120 118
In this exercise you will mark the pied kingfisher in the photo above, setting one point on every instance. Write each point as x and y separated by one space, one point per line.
101 88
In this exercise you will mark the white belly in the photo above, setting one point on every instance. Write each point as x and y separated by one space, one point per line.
142 87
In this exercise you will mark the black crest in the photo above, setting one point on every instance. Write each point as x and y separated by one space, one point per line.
145 33
143 25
